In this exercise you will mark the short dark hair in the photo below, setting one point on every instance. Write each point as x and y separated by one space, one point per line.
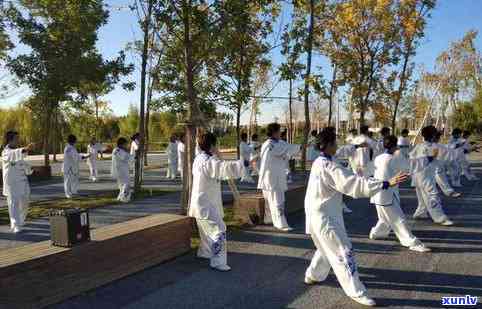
385 131
244 136
314 133
136 135
206 141
466 133
9 136
272 129
405 131
364 130
429 133
389 141
121 141
254 137
71 139
456 131
326 138
173 138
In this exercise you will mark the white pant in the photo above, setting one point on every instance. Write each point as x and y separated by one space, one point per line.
124 192
333 250
92 170
443 182
17 210
71 185
171 170
392 218
465 166
213 242
274 210
246 177
455 171
429 200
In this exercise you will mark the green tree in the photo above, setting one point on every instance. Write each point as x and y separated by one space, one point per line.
61 36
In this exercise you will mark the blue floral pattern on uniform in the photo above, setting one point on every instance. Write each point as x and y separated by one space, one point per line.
218 244
348 259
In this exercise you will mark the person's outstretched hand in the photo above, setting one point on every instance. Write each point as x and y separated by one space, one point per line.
397 179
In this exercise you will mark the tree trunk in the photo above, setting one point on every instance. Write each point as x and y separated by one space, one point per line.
401 88
238 130
145 55
309 50
332 91
290 106
193 111
148 115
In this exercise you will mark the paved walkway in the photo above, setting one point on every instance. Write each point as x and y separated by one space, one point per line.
268 267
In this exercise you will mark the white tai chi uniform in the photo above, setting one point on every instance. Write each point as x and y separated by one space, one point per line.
207 205
455 168
70 168
121 160
15 184
422 166
362 159
403 144
313 151
92 151
245 155
255 156
272 179
181 152
387 202
444 159
172 160
465 163
323 204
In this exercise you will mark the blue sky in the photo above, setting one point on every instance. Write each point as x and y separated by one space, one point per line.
450 20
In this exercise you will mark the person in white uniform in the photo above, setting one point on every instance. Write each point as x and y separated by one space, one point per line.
93 149
245 153
323 204
172 159
206 204
444 159
272 176
363 157
390 215
456 143
422 166
70 167
255 154
465 164
181 153
16 187
313 152
121 159
379 149
403 143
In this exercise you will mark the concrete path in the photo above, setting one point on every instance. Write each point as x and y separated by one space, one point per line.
268 267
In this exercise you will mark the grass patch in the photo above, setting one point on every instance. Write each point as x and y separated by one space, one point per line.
42 208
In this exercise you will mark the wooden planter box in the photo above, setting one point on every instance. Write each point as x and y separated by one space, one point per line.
37 275
251 207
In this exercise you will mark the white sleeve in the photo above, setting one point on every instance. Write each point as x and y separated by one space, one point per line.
344 181
223 170
285 150
14 155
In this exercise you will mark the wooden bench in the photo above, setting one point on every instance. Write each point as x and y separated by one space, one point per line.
37 275
250 207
